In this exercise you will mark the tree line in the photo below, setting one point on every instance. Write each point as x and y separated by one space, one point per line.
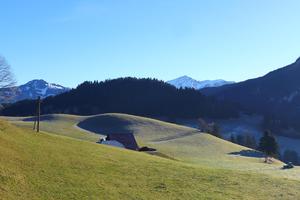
144 97
268 145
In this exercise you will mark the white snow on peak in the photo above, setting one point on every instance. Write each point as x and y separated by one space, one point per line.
55 86
42 92
188 82
38 88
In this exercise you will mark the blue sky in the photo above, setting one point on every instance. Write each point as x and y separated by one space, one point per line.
71 41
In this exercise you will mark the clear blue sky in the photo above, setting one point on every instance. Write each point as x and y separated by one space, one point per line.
70 41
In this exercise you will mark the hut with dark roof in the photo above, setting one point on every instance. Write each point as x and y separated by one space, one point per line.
126 139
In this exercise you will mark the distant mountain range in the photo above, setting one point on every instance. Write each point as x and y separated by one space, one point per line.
144 97
276 96
32 90
188 82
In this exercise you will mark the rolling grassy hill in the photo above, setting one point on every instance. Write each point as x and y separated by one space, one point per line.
48 166
173 141
57 124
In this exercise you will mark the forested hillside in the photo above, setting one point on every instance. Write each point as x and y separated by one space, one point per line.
144 97
276 96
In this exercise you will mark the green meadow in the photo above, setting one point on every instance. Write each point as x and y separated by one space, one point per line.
64 162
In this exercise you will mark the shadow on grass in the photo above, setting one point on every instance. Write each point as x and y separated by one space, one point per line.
248 153
43 118
105 125
162 155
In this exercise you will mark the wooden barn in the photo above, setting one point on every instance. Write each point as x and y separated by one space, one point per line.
125 140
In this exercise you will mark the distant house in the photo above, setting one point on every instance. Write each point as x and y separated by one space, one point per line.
122 140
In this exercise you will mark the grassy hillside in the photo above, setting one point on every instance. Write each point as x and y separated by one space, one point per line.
46 166
185 144
178 142
65 125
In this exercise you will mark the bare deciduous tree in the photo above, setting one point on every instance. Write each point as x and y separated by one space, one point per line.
7 81
211 128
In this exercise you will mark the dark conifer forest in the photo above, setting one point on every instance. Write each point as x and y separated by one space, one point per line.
144 97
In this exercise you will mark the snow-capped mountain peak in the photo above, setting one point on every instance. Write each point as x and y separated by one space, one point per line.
42 88
184 82
188 82
34 89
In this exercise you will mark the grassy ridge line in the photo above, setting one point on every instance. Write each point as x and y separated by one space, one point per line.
63 124
145 128
44 166
59 124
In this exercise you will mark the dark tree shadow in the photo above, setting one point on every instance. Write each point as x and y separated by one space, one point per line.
105 125
248 153
43 118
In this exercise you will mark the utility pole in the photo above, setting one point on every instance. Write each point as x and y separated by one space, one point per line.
34 125
38 116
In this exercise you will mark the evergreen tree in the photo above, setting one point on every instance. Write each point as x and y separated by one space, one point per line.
268 145
215 130
240 139
250 141
232 138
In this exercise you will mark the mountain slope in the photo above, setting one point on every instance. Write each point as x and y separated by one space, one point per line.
143 97
43 166
188 82
275 95
32 90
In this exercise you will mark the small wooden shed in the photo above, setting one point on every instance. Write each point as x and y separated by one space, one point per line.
126 139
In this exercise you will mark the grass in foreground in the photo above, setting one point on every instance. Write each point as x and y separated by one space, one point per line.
44 166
